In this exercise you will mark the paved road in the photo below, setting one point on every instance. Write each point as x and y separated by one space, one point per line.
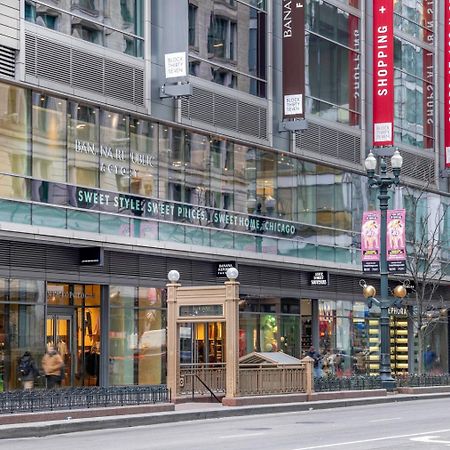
422 424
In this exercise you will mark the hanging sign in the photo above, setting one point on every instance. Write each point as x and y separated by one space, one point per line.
383 73
222 267
395 241
319 278
447 84
370 241
293 39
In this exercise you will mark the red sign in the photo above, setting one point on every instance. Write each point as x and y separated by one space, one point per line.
383 73
447 84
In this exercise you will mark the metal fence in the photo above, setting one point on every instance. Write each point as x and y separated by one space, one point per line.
331 383
80 398
423 380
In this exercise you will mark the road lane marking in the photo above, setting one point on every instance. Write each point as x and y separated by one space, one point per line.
234 436
431 439
385 438
385 420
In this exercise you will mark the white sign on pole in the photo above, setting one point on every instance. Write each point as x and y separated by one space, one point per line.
175 64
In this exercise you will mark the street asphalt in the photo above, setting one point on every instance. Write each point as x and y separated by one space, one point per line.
190 412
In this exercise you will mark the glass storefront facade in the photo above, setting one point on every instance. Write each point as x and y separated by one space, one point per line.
70 165
35 315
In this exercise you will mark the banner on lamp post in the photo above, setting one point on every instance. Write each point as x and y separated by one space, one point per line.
447 84
293 39
383 73
395 240
370 241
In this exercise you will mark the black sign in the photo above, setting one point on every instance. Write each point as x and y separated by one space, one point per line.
396 266
371 266
222 267
91 256
321 278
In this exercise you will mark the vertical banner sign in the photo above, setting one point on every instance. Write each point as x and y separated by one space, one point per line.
383 73
395 241
447 84
428 76
370 241
293 37
354 72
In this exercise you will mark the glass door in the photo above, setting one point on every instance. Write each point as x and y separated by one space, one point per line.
59 333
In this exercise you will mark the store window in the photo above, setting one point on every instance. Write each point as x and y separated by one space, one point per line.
83 145
216 30
21 327
137 336
49 119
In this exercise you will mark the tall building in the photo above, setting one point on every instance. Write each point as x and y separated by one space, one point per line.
114 171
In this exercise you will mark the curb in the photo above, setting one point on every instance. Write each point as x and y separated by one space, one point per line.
40 429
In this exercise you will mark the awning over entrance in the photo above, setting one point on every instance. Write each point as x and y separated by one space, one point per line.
270 359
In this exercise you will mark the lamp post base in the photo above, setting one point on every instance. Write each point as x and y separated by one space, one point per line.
388 384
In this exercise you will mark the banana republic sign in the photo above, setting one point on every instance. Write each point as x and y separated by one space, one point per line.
293 36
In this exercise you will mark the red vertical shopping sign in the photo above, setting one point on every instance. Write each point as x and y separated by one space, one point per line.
447 84
383 73
428 76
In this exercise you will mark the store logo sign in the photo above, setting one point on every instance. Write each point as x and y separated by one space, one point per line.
222 267
321 278
91 256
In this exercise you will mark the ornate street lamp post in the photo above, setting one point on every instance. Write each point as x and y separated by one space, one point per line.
383 182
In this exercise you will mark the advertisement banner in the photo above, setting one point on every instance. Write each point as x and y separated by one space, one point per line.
293 37
370 241
428 78
447 84
395 240
383 73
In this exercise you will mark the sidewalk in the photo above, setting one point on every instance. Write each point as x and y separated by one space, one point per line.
129 416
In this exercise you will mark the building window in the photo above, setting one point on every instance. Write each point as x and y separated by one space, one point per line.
192 25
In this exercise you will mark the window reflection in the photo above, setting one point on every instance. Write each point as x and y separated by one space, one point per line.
216 28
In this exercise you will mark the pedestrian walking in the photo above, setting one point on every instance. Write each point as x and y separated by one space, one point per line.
53 366
28 370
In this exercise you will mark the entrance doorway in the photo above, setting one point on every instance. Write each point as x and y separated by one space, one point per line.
202 343
73 328
60 332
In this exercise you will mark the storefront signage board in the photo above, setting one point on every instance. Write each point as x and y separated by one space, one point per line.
222 267
383 73
91 256
320 278
293 48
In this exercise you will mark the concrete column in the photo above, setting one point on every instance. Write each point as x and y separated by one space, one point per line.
173 374
232 338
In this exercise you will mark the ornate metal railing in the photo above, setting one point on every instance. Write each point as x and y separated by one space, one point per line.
332 383
271 380
79 398
423 380
202 379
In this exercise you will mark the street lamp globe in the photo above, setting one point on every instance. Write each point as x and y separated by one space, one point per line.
396 160
173 276
370 162
232 273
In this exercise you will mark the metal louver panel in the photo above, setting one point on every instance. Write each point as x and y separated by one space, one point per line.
418 167
118 80
29 255
152 266
138 86
90 73
320 140
54 61
201 105
62 258
249 275
225 112
125 264
30 55
248 119
7 61
83 70
271 277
